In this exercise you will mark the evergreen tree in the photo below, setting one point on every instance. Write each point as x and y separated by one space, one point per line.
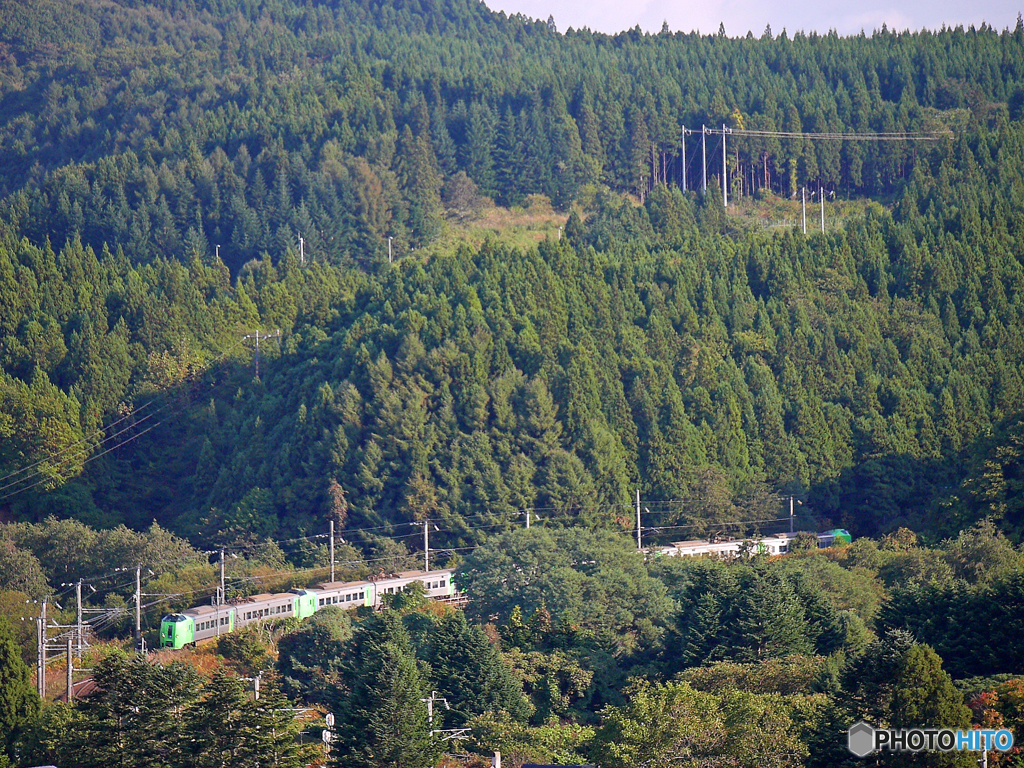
19 702
770 619
221 726
924 697
382 716
469 671
704 633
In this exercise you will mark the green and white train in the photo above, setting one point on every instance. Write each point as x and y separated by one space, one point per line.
203 622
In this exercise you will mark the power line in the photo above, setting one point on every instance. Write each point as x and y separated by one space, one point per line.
78 450
833 136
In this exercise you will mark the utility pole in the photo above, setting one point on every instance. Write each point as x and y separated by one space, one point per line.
683 136
70 680
429 701
791 514
527 519
704 156
138 608
639 530
725 180
41 653
390 260
803 203
332 551
218 252
276 334
426 545
222 594
78 621
821 194
302 250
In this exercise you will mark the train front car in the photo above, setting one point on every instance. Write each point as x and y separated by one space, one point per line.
835 537
177 630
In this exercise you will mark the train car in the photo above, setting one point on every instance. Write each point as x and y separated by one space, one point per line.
776 544
352 594
834 537
200 623
345 594
178 630
266 606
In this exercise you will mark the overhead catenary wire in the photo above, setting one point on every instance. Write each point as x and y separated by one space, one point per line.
79 449
833 136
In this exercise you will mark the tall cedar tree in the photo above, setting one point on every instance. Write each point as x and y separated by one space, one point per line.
19 703
381 715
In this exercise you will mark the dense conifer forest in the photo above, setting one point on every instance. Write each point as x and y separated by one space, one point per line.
183 179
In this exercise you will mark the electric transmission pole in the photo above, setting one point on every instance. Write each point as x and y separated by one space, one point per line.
332 551
275 335
70 674
426 545
41 652
683 135
78 621
639 530
821 194
725 180
138 608
704 157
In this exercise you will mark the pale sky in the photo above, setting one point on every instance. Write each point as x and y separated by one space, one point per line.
847 18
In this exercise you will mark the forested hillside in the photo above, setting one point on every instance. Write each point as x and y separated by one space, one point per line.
258 274
161 162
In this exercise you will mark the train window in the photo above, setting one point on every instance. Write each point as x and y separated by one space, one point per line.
361 596
442 584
